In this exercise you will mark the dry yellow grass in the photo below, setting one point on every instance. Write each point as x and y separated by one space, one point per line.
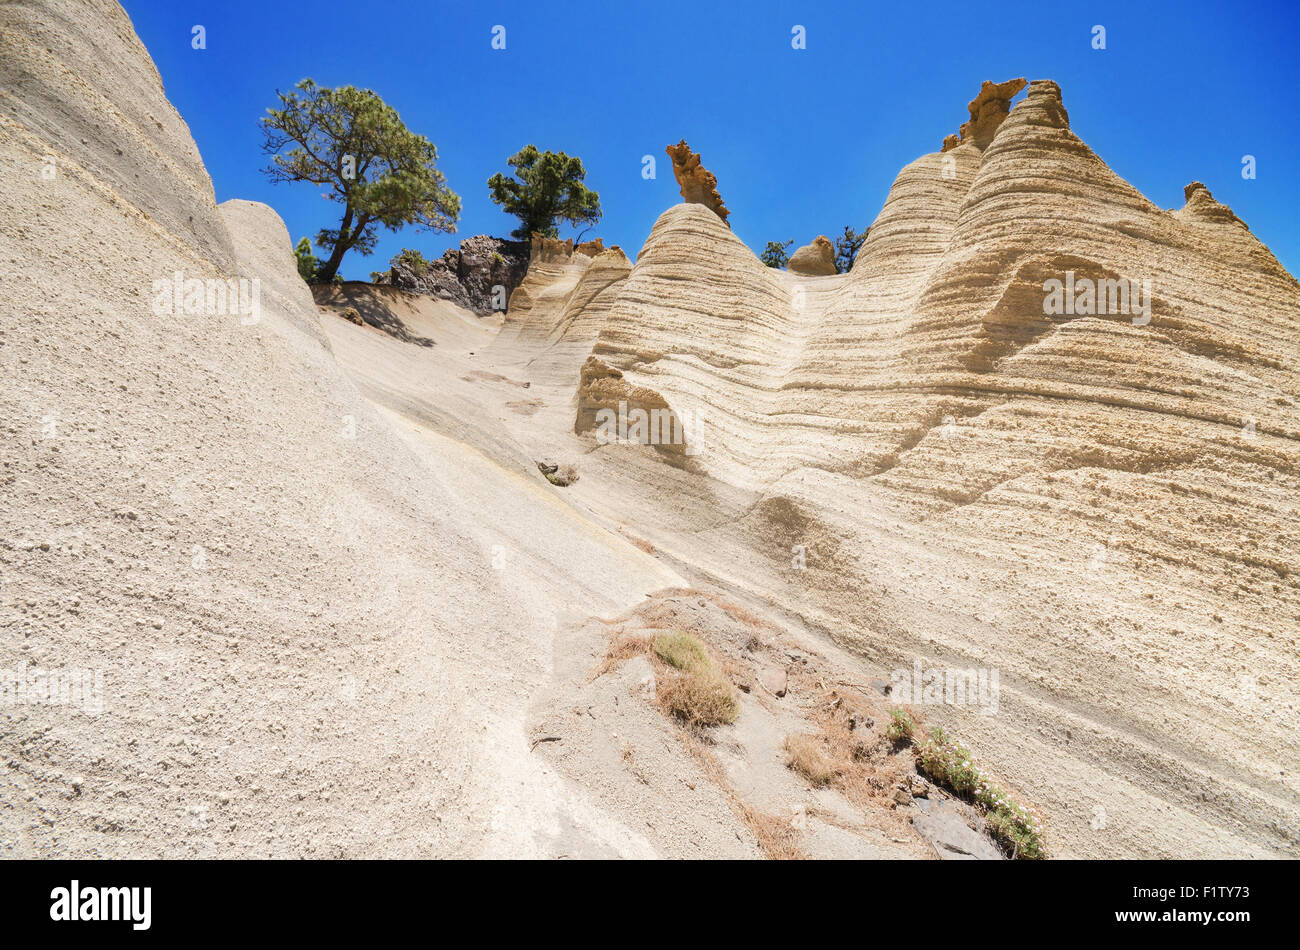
807 755
683 651
776 837
699 699
737 612
691 684
700 693
621 648
641 543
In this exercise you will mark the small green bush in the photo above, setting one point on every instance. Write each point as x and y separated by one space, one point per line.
412 259
949 764
307 261
901 728
700 694
683 651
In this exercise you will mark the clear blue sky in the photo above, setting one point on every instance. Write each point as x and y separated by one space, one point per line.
803 142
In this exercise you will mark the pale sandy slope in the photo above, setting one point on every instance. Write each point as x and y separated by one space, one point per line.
306 647
332 617
334 602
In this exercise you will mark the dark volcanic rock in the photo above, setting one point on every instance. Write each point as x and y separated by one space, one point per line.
466 276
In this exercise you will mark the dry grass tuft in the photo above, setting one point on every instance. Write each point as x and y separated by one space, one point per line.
622 648
776 837
691 684
737 612
807 755
699 699
641 543
700 693
850 752
684 651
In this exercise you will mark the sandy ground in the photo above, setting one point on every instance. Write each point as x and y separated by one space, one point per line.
315 598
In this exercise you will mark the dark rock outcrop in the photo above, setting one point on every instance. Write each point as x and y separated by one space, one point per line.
466 276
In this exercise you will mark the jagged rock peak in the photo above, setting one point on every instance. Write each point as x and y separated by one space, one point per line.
988 109
698 184
1044 98
1200 205
815 260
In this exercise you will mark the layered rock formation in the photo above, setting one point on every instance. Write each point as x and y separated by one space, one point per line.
548 250
467 276
697 183
122 131
282 543
1090 495
283 601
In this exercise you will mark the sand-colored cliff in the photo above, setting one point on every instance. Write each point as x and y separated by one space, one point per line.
1099 503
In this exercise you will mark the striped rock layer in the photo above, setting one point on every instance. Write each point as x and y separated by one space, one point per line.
1096 496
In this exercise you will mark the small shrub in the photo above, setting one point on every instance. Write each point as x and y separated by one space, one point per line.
563 476
700 694
684 651
700 699
806 755
1012 825
556 474
412 259
901 728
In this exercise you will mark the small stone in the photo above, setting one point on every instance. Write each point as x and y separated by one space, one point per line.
775 681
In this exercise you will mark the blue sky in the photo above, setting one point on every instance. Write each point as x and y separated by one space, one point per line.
803 142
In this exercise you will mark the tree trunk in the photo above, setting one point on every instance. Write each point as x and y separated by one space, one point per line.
325 272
